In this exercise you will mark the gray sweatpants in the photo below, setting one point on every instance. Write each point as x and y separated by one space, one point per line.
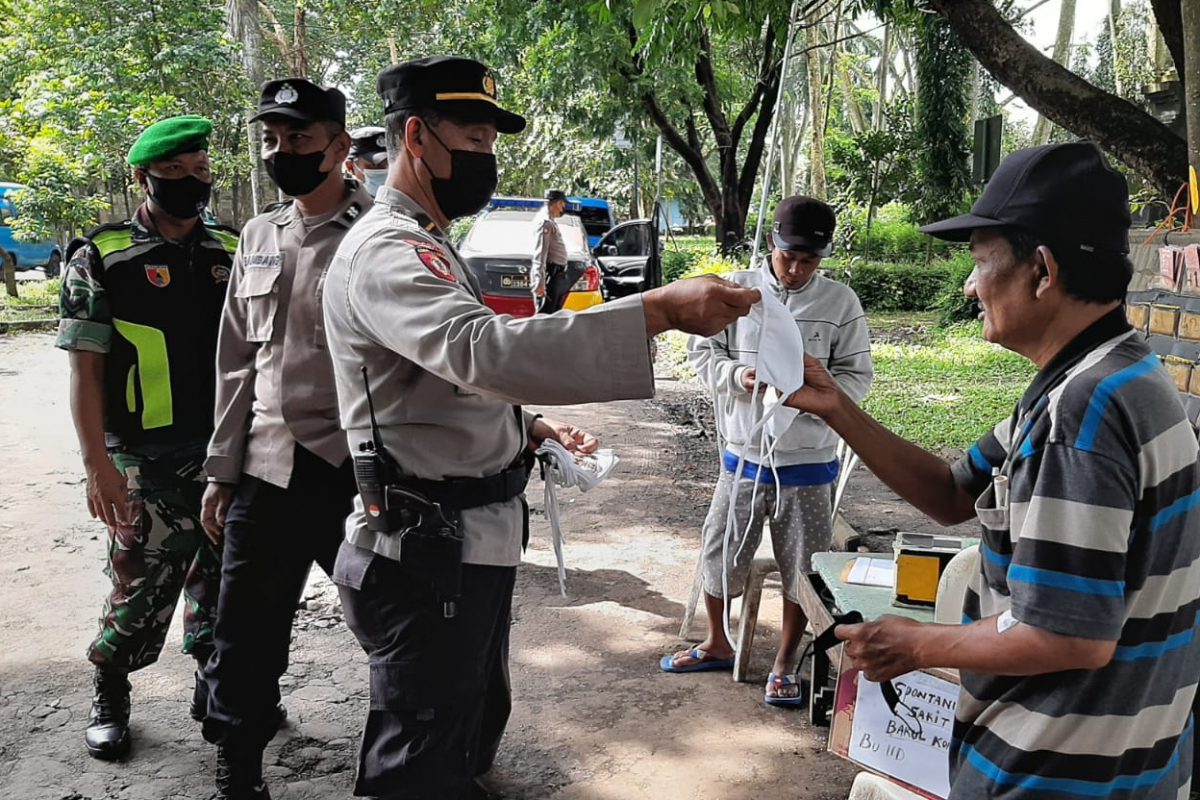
801 528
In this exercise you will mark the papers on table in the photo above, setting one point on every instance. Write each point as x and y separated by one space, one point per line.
872 572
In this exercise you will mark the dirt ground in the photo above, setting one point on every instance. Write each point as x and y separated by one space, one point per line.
595 719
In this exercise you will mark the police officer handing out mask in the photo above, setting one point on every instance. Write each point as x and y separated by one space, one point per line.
367 162
427 570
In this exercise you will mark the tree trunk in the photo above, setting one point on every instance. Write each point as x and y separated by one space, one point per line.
879 118
1191 51
1127 132
246 28
816 115
1114 17
10 273
1062 56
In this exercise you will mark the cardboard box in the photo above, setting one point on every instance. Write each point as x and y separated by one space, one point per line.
1164 320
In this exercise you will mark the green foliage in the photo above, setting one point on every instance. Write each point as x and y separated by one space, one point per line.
714 264
50 202
951 304
946 387
944 70
36 300
892 236
884 286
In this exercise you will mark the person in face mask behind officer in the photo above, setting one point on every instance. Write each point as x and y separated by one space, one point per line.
367 162
446 375
141 302
280 480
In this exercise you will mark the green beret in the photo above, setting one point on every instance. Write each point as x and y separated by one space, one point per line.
170 137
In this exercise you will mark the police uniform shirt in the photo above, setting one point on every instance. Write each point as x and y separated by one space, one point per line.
274 378
152 307
548 248
445 370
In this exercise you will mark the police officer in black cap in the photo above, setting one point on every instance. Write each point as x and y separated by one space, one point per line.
367 162
548 278
428 596
280 480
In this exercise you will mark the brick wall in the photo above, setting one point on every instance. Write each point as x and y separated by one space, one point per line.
1164 304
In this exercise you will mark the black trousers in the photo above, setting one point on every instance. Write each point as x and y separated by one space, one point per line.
440 691
558 286
272 538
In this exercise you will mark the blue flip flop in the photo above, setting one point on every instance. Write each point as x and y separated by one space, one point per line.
779 681
667 663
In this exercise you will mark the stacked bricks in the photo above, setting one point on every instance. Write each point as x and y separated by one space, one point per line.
1164 306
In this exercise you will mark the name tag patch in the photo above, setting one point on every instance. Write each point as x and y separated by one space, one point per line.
262 260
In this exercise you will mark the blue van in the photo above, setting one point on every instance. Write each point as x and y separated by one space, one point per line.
47 255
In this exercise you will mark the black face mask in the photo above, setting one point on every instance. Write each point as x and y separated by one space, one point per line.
471 184
182 198
297 175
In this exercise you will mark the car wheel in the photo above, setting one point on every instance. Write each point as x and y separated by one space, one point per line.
53 266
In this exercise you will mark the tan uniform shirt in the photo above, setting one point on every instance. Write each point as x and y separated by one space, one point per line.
445 370
274 377
548 248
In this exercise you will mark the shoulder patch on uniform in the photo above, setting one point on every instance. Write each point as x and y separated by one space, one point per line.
434 258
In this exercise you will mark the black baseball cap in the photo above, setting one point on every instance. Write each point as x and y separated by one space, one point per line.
461 87
554 195
368 144
804 223
301 99
1065 193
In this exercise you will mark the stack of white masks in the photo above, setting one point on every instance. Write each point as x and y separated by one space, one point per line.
566 469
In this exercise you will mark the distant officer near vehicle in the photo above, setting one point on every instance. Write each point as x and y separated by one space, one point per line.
426 573
367 162
140 306
548 278
280 480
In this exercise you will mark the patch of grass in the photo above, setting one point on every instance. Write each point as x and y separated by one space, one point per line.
946 387
35 300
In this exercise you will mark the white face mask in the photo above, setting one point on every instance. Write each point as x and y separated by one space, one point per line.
373 179
780 362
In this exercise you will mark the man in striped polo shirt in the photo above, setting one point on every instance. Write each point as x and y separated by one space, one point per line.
1077 654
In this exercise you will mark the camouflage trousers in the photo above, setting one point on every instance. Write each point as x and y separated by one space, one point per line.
151 563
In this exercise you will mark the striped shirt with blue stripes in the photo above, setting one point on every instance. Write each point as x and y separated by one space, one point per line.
1102 542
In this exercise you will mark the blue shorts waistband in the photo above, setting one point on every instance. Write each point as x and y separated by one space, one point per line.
791 475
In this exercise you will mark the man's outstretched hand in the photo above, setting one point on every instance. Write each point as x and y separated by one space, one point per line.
820 394
704 305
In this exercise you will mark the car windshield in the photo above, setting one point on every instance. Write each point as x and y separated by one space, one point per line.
511 232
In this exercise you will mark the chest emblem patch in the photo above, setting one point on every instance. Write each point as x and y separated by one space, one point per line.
220 273
434 258
159 276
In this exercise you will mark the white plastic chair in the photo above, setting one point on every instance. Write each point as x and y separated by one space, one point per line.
763 565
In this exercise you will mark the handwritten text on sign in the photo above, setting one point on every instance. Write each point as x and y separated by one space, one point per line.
913 743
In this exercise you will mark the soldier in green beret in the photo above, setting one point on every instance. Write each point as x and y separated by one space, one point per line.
140 308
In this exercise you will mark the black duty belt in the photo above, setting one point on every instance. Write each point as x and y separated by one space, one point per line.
457 494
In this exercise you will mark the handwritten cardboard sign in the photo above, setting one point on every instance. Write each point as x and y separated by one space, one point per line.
910 746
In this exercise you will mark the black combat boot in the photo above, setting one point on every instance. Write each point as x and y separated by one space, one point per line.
107 734
239 775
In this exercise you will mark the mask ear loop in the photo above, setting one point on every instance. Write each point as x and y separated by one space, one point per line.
731 515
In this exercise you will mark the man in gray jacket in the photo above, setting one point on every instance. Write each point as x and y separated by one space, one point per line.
793 490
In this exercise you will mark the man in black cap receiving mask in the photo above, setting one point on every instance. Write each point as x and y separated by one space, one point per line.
427 570
1078 653
794 488
280 480
141 302
548 278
